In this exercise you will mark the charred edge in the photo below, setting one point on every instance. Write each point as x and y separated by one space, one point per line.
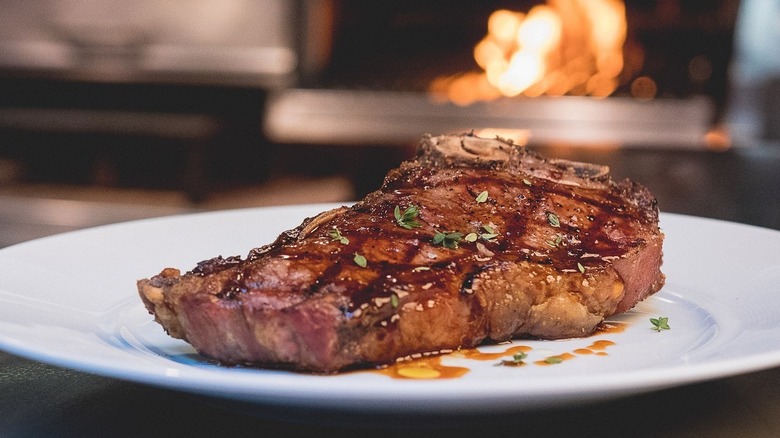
217 264
233 288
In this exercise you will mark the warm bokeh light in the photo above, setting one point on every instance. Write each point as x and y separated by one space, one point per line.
717 139
643 88
564 47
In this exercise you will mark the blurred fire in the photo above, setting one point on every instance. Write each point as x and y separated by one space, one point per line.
564 47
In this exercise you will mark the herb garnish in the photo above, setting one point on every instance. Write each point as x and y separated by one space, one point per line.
360 260
660 323
526 181
394 300
447 240
421 268
407 219
489 233
516 360
553 220
482 197
555 242
581 268
553 360
335 235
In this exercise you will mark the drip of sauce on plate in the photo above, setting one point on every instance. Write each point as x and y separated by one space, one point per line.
597 348
555 359
432 368
427 368
610 327
478 355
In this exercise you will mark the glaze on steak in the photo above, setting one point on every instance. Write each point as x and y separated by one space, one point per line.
551 250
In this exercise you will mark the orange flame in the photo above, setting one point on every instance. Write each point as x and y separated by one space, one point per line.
565 47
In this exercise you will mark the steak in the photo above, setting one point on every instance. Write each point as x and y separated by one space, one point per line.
474 240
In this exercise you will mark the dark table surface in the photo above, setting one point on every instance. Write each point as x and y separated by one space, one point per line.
39 400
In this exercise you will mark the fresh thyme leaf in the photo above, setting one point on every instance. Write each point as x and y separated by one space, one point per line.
555 242
489 233
660 323
407 219
421 268
448 240
554 359
360 260
581 268
335 235
553 220
471 237
526 182
451 240
394 300
516 360
482 197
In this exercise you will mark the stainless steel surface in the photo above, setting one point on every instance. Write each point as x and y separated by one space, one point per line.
390 118
34 211
164 125
26 218
752 112
256 43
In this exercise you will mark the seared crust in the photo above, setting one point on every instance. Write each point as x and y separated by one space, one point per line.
571 247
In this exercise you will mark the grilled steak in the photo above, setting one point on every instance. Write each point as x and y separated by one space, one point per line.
474 240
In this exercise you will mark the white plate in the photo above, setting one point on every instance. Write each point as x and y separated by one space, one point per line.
70 300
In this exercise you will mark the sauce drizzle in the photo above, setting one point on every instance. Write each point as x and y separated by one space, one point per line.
427 368
432 368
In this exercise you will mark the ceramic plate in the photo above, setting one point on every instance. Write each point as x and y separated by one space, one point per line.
70 300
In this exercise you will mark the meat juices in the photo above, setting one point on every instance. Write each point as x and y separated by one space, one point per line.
474 240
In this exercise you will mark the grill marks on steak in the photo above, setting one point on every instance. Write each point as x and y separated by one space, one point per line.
572 248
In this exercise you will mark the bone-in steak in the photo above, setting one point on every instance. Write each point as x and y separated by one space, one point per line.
474 240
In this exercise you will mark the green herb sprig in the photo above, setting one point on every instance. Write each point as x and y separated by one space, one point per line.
553 220
555 242
489 234
660 323
407 219
360 260
516 360
335 236
447 239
